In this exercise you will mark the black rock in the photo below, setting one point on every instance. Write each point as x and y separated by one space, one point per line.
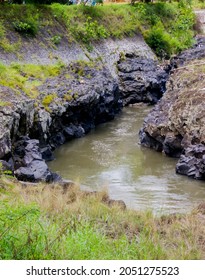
192 162
141 80
172 146
30 165
46 153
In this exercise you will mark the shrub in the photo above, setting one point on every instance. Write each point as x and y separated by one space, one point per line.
159 41
56 39
91 30
25 28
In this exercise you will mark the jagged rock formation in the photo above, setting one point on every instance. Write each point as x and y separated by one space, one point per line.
176 126
141 79
69 105
84 97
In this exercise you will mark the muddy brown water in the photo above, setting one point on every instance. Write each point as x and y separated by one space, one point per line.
111 158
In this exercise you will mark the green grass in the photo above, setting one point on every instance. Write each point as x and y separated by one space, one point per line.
198 4
167 27
27 77
47 222
168 23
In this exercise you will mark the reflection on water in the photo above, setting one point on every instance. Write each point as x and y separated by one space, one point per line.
111 157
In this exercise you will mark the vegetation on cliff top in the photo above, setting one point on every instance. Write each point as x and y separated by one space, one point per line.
51 222
167 27
26 77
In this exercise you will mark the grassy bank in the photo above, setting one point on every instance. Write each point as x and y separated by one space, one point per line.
51 222
167 27
27 77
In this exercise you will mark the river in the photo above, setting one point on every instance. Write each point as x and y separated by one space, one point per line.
111 158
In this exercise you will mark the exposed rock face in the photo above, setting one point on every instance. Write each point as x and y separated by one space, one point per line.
141 79
79 98
81 102
176 125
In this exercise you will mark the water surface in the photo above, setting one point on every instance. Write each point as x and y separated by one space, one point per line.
110 157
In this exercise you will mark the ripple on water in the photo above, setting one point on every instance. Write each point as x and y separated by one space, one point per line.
102 153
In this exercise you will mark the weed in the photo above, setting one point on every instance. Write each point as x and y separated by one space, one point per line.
48 99
54 222
27 77
56 39
25 28
88 24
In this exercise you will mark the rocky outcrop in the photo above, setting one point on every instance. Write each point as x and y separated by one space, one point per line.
29 164
141 79
69 106
176 125
89 96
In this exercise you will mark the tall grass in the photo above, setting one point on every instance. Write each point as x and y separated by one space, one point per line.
51 222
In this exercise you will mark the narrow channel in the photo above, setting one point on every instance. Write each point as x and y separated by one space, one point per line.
111 158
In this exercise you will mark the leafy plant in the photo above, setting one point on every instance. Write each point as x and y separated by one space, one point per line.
56 39
159 41
26 28
91 30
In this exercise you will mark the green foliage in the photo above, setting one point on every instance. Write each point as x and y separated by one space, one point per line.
159 41
27 77
168 28
25 28
48 99
91 30
22 18
56 39
49 223
198 4
86 24
2 30
172 23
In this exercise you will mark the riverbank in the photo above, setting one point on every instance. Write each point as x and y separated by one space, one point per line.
55 222
176 124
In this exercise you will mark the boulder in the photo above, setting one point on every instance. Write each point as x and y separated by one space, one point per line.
192 162
29 164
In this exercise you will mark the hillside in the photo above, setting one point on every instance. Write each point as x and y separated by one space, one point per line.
46 34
